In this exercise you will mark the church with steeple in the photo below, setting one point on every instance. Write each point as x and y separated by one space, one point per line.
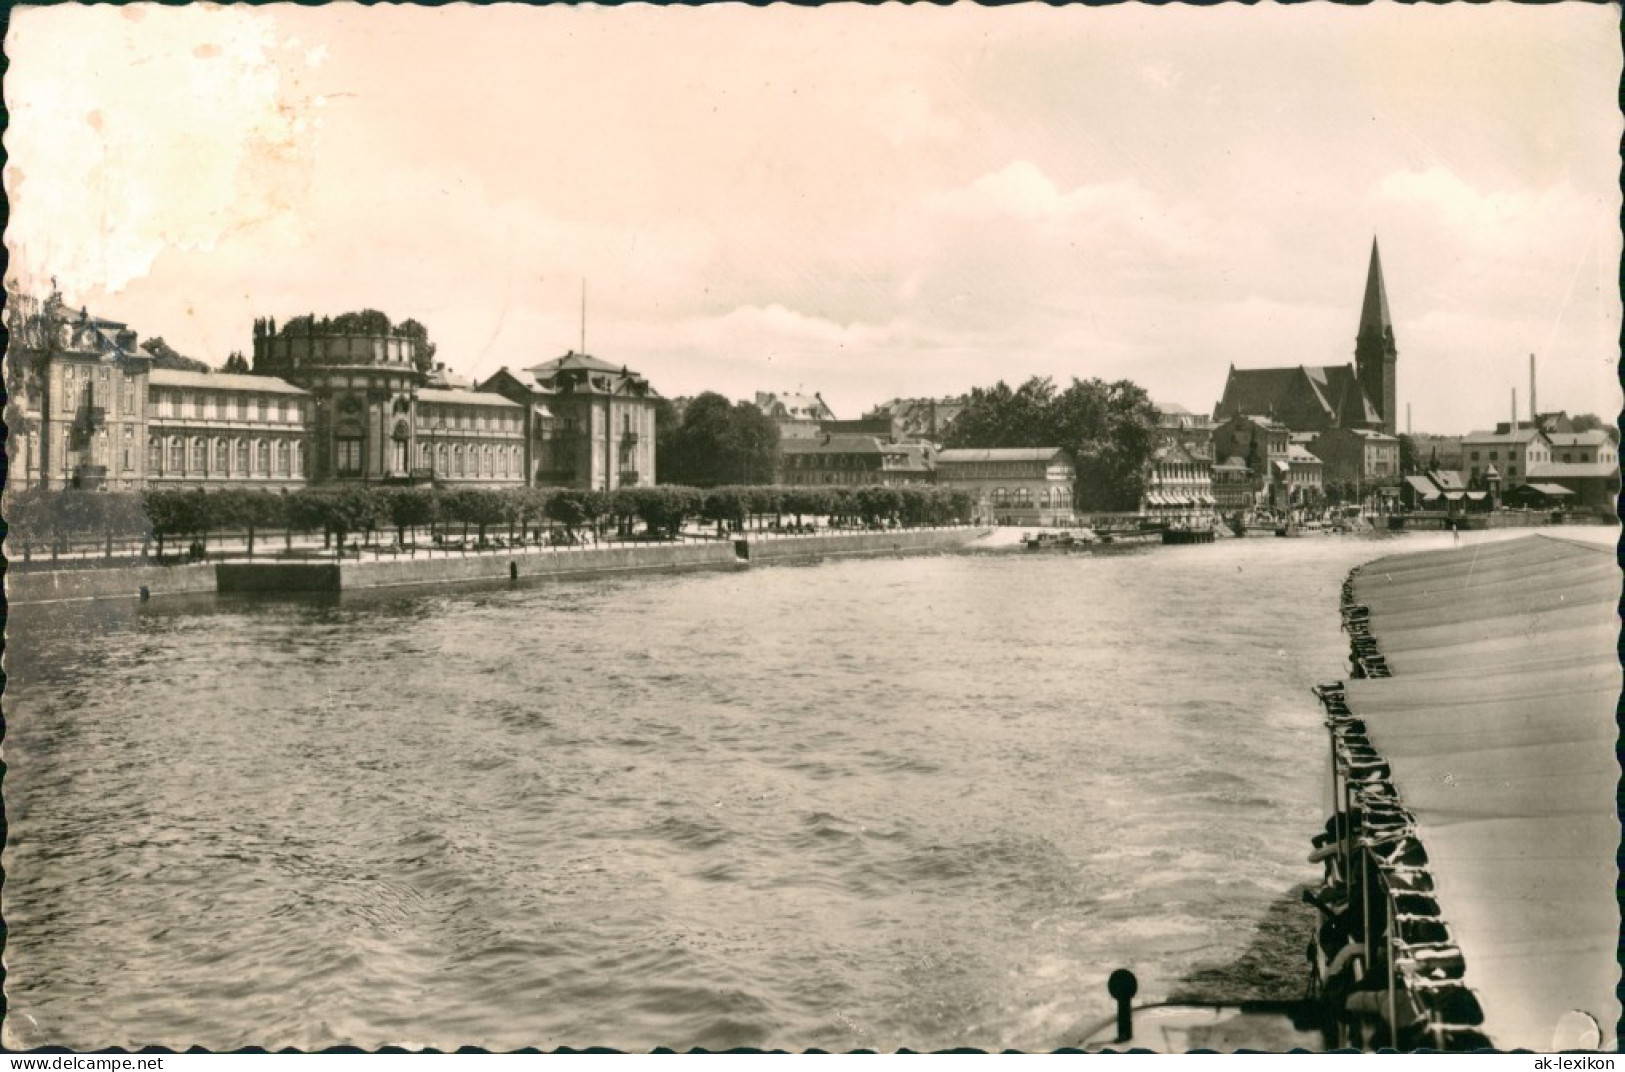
1318 398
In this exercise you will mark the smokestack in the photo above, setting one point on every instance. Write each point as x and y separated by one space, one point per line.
1407 418
1533 412
1514 427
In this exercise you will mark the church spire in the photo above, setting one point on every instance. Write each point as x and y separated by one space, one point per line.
1375 353
1374 313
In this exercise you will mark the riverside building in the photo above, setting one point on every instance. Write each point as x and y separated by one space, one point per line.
90 408
1013 485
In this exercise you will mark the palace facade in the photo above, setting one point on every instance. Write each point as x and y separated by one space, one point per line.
90 408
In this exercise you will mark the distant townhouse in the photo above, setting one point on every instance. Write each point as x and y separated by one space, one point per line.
798 415
1179 486
853 461
1283 473
1194 432
1359 457
918 419
1013 486
1233 489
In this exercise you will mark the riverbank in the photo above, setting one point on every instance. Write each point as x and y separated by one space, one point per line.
272 576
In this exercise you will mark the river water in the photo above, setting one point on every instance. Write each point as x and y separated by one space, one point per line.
920 802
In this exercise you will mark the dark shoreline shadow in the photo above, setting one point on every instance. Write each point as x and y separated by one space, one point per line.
1273 967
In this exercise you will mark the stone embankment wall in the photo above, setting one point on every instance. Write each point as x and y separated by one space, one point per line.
117 582
272 576
909 541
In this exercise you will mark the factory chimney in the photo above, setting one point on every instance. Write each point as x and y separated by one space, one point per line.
1534 414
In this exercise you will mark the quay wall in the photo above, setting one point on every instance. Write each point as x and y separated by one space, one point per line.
271 576
113 582
794 548
494 567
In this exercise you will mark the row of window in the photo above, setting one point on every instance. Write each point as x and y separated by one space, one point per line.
984 470
197 456
1024 499
209 406
84 391
471 418
1534 456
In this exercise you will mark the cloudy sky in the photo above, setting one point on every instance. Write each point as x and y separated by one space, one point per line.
869 202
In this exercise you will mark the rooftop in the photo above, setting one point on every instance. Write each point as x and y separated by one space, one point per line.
221 381
452 396
999 454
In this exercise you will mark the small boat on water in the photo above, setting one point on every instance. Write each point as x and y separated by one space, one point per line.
1065 540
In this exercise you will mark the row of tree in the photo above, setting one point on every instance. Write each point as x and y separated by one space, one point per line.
1110 429
58 518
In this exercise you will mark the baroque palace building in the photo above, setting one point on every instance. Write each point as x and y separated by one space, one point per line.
88 407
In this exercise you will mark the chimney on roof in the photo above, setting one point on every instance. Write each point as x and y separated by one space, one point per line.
1513 427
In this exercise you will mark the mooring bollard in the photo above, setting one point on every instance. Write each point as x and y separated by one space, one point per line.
1122 986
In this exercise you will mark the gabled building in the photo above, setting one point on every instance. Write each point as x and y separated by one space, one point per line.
924 420
1314 398
797 415
853 460
1193 431
587 423
76 405
1179 487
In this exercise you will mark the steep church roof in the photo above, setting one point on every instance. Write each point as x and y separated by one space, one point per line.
1302 397
1374 319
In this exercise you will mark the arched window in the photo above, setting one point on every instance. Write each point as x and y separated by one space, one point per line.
444 468
222 457
425 456
242 457
262 463
177 459
458 454
299 460
155 455
490 463
282 462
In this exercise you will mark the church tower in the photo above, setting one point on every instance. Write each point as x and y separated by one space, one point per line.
1375 354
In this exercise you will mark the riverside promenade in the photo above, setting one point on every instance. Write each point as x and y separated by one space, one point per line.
381 569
